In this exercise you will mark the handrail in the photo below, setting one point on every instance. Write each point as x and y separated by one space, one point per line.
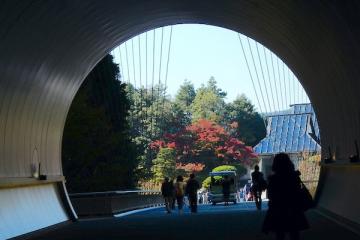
113 202
111 193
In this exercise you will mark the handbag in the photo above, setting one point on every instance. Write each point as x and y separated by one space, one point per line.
306 201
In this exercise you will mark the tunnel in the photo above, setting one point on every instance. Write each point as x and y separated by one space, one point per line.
47 48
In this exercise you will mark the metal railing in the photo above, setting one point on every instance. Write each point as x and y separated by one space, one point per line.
113 202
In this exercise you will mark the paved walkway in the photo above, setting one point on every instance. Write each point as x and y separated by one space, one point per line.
239 221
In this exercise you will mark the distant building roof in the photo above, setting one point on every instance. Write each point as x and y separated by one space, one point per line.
292 130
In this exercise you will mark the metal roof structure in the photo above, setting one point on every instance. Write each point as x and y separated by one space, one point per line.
293 130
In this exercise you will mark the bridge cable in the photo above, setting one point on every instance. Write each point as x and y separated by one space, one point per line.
302 95
296 81
257 75
251 77
141 92
159 84
152 87
127 63
268 73
298 89
280 85
166 74
133 61
129 85
283 72
146 78
135 87
276 88
294 87
121 65
292 83
263 76
289 86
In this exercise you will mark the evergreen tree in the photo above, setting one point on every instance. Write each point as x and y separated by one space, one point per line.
185 95
164 165
249 125
208 103
97 153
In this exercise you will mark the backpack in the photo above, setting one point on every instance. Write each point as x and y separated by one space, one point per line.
179 189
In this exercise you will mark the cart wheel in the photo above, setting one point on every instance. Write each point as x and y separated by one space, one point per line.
235 202
213 203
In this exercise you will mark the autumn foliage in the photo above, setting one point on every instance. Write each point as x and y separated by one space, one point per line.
202 140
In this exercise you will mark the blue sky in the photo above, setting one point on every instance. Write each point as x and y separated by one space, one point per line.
198 52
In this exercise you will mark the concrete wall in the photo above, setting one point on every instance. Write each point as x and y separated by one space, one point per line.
48 47
27 209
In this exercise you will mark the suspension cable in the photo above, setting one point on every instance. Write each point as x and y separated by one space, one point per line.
290 82
303 96
152 87
168 58
134 76
127 63
140 75
276 88
166 75
283 71
263 76
268 73
294 87
121 65
146 75
257 75
298 88
280 85
133 61
141 90
146 60
251 77
159 84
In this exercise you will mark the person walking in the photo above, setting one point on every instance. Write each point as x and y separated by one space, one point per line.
180 192
285 215
226 184
259 185
173 196
192 186
167 193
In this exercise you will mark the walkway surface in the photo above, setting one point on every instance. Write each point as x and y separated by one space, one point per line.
240 221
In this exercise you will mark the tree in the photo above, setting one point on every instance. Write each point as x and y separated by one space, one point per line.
208 103
151 115
97 153
247 124
185 95
183 100
164 165
207 143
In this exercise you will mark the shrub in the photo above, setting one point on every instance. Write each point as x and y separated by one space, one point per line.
240 170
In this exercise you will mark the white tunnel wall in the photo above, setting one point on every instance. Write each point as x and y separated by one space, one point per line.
48 47
36 207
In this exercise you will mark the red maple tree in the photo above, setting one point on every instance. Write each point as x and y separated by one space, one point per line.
205 138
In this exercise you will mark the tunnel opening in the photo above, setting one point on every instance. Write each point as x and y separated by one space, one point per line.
319 41
166 130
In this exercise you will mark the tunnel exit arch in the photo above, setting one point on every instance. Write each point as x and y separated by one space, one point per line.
48 48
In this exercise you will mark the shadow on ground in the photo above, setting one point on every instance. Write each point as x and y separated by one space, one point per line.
239 221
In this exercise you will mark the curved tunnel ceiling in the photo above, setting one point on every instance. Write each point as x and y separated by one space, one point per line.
48 47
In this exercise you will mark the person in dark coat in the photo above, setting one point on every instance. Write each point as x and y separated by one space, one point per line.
167 189
284 215
259 185
192 187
